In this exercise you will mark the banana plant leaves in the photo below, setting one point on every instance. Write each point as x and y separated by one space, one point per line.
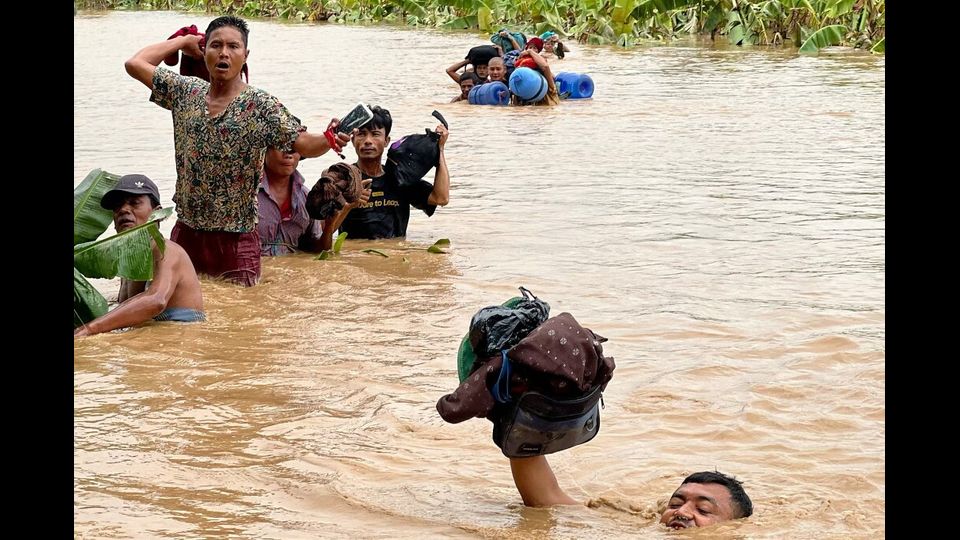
88 303
824 37
89 218
127 254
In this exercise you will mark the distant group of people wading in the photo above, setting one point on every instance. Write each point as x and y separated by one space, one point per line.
497 62
239 197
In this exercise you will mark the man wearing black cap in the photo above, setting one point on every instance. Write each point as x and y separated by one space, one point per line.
174 293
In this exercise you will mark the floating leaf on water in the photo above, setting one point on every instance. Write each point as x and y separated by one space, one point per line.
324 255
376 251
339 242
435 249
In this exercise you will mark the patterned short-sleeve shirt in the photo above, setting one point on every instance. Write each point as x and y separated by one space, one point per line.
220 159
280 235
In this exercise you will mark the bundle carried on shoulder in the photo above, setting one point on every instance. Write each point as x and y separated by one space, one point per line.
505 43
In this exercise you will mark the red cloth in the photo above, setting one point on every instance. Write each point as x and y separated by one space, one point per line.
526 61
228 255
191 30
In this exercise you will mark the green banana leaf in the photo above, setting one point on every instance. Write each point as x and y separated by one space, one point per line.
880 47
735 33
645 8
824 37
465 23
621 21
772 10
838 8
127 254
810 9
88 303
712 20
485 19
438 246
338 243
89 218
410 7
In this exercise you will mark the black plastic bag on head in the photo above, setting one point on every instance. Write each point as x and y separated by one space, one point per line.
481 54
412 156
495 328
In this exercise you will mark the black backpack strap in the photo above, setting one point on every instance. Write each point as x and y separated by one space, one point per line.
501 388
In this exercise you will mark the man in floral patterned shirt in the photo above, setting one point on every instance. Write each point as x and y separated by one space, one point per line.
221 132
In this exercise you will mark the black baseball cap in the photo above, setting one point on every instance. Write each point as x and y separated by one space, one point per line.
131 184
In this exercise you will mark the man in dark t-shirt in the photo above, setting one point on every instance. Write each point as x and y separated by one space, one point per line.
387 211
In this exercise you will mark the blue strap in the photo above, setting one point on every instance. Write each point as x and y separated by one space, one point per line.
501 388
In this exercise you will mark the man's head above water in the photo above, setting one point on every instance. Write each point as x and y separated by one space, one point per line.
132 201
468 80
706 498
496 69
